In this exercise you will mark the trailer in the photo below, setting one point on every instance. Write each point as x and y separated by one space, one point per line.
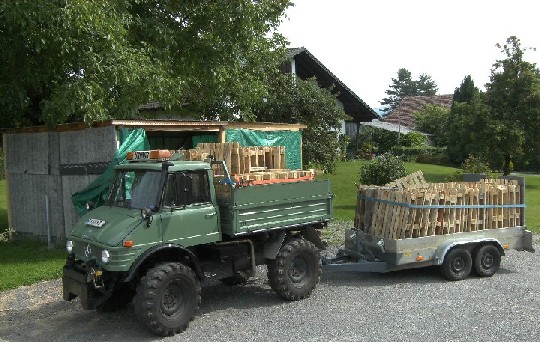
472 237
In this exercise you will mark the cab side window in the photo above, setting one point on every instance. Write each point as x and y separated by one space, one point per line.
186 188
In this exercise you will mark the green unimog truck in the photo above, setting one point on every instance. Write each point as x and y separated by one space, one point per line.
168 224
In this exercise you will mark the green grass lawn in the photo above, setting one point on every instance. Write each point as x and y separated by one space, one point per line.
25 262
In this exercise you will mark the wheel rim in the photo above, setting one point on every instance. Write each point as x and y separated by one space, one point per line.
487 261
458 265
172 301
299 270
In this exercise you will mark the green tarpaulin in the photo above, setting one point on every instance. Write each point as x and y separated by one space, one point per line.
131 139
291 140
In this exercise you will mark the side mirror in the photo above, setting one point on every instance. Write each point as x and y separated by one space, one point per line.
90 205
147 214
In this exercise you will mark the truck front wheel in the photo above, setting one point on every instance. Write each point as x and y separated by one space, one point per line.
167 298
457 264
296 270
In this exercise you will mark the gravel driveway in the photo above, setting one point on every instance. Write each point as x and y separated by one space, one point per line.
413 305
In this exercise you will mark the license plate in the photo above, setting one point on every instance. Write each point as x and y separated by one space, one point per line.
95 223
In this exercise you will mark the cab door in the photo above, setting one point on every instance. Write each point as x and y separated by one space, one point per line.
188 216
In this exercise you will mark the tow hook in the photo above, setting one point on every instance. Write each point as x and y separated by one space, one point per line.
95 277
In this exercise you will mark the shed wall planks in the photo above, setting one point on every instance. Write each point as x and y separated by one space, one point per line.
92 145
28 153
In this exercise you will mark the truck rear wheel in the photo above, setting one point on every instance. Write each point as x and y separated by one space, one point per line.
457 264
167 298
295 272
487 261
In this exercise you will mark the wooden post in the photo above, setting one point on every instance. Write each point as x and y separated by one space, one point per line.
5 149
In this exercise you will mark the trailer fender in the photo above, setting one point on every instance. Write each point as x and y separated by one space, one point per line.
443 250
163 253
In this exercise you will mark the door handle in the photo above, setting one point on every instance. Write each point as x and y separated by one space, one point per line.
210 215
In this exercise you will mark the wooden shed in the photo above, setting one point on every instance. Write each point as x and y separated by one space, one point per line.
46 166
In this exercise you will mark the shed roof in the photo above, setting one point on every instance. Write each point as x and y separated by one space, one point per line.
308 66
404 114
164 125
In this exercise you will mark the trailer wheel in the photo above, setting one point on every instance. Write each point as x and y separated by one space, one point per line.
295 272
487 261
457 264
167 298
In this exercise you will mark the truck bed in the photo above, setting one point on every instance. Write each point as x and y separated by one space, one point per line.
273 206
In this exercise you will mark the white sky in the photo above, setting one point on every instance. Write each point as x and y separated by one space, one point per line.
364 43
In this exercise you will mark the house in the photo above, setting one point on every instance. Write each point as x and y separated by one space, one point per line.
304 65
403 115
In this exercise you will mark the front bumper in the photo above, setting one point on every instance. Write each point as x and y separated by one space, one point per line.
86 283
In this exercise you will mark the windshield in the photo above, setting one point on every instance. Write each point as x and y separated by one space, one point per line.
135 189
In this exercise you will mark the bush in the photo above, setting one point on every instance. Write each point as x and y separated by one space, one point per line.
382 170
422 154
471 165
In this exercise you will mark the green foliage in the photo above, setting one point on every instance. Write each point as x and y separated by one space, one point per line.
382 170
501 125
92 60
378 140
472 164
298 101
404 85
422 154
413 139
433 120
466 113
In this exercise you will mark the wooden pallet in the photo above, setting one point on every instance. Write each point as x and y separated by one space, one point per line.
415 209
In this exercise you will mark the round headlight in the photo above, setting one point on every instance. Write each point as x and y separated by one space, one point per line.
105 256
69 246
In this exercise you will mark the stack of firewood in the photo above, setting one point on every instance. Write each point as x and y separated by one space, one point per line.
411 208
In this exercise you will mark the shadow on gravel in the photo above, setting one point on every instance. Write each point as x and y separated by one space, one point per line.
425 275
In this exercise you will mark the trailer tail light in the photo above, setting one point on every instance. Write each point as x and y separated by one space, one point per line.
419 258
506 246
128 243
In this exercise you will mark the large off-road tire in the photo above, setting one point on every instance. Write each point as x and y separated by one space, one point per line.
167 298
457 264
121 296
295 272
487 261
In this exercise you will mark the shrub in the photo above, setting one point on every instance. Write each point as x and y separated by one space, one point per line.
422 154
471 165
382 170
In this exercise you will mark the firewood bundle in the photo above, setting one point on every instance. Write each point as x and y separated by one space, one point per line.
412 208
251 165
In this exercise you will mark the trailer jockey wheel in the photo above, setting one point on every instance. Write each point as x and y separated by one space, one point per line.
457 264
487 261
296 270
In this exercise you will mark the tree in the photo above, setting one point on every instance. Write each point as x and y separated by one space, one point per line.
293 100
92 60
404 85
464 113
513 95
433 120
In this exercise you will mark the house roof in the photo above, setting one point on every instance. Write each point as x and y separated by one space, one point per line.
388 126
404 114
307 66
